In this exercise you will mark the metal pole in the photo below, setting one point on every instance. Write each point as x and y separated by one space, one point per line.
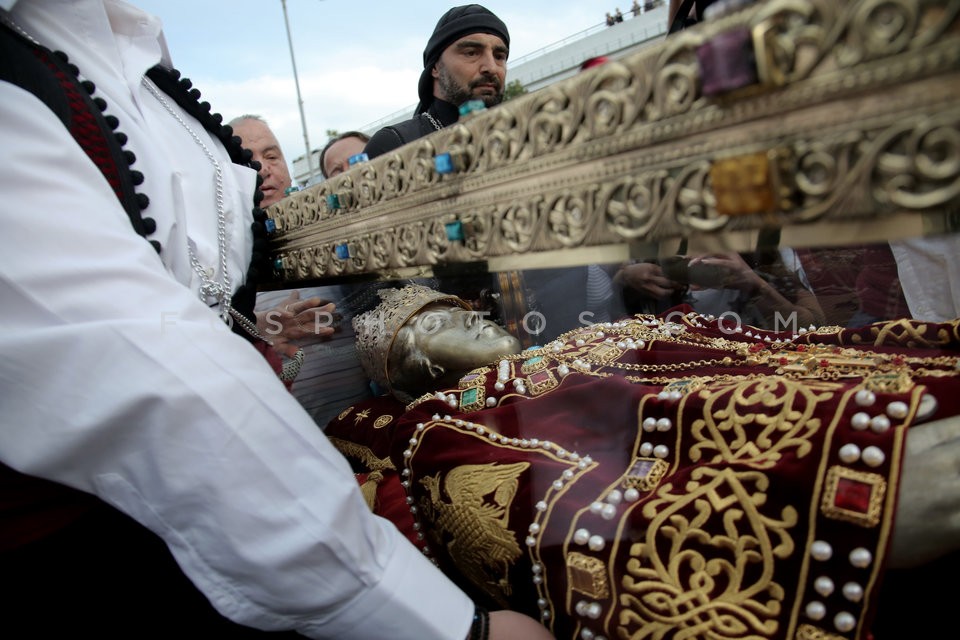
296 81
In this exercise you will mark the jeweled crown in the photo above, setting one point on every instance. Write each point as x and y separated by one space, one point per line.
376 329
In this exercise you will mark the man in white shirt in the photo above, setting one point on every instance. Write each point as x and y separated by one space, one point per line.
118 378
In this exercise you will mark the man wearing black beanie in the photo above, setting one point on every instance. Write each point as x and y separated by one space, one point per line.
465 59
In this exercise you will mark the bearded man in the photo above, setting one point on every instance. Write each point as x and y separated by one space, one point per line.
465 59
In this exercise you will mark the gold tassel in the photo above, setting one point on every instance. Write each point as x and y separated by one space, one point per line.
369 489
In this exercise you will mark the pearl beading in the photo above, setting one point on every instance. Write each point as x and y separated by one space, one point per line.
579 466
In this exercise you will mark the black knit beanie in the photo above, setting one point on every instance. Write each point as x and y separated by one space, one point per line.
453 25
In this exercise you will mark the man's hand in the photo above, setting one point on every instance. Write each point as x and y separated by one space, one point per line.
510 625
646 278
294 319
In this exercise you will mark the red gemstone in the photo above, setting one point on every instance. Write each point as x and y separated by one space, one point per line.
539 377
853 495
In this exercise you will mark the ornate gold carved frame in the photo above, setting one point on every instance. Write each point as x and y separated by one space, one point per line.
849 133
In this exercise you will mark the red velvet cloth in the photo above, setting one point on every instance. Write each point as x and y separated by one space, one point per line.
736 485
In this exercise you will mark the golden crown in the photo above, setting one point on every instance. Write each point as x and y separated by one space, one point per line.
376 329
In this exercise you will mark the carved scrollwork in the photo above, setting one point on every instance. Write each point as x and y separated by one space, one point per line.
393 181
918 166
675 80
638 206
608 105
854 117
437 243
569 218
879 28
410 238
692 199
368 185
479 231
793 37
518 225
359 254
382 249
552 125
826 174
422 174
502 144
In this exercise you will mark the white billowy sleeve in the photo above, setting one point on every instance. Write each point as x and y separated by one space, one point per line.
115 379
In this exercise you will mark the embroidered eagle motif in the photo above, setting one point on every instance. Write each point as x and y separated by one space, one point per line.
474 521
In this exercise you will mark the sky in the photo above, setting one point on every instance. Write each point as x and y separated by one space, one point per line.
356 62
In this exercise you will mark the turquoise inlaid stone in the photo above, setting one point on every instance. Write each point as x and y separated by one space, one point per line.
532 361
454 231
343 251
468 397
270 225
333 201
471 106
357 157
443 163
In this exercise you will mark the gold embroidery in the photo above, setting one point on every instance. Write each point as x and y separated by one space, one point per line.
705 563
909 333
892 382
810 632
382 421
587 575
474 523
853 496
757 421
363 454
369 489
361 415
345 413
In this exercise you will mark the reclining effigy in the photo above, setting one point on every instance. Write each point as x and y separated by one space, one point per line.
831 122
809 122
659 477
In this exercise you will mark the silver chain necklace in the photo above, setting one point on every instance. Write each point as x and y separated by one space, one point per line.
10 22
433 121
222 291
